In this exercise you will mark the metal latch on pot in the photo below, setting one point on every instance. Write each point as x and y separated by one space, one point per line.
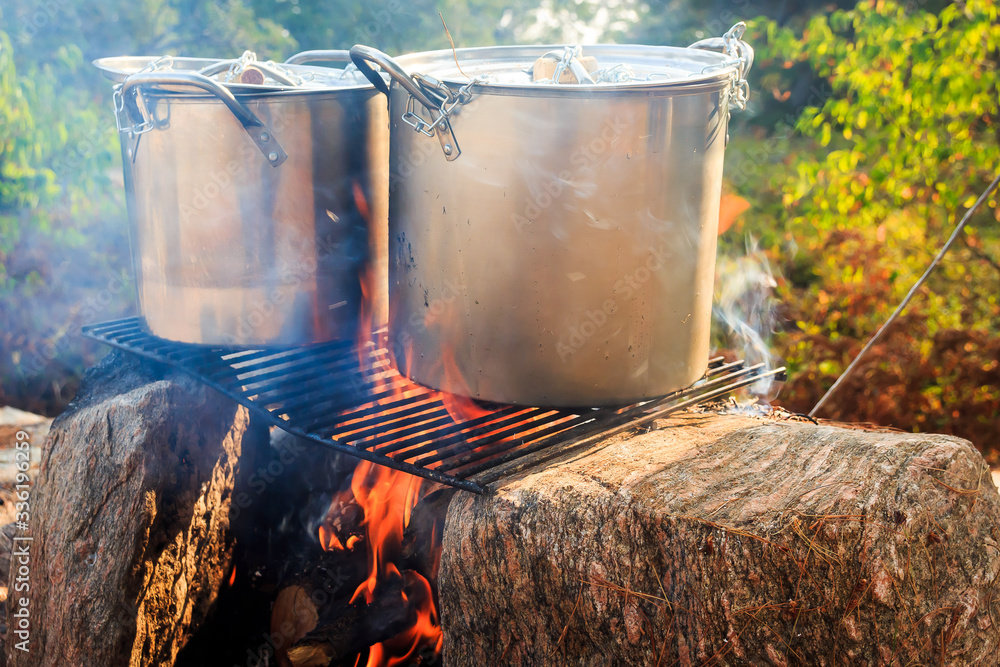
449 101
131 129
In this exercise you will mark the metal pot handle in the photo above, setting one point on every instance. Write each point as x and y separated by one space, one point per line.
436 97
362 55
134 119
321 56
732 44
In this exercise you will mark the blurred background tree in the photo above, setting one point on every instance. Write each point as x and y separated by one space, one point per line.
871 126
858 192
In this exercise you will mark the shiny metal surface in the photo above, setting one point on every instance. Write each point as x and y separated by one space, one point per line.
567 258
505 69
229 249
290 76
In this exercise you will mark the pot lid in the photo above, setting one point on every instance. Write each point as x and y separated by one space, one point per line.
246 74
554 68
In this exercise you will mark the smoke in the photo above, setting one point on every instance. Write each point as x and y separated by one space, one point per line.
746 311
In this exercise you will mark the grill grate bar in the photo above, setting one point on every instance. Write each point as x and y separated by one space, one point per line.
460 432
374 417
496 439
614 429
555 430
320 419
352 400
432 420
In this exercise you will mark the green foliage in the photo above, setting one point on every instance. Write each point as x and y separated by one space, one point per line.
57 161
399 26
901 137
912 122
23 187
155 27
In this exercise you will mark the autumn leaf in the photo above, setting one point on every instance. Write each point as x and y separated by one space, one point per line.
730 209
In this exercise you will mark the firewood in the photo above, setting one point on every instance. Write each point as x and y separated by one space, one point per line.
727 540
315 619
545 68
130 518
422 536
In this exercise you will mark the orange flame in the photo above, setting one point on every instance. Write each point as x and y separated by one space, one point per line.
359 200
387 498
328 540
461 408
425 632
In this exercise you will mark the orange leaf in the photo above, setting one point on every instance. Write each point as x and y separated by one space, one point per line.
731 208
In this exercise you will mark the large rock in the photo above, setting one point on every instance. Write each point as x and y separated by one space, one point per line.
727 540
129 519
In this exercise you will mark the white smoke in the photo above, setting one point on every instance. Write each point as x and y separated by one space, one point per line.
745 309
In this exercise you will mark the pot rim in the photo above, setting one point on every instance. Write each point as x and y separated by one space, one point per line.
718 71
118 68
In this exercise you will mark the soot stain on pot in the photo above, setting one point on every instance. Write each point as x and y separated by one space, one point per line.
404 253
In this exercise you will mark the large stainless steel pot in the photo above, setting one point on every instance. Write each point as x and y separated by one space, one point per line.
257 197
555 244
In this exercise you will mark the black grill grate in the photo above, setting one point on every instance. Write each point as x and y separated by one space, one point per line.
355 402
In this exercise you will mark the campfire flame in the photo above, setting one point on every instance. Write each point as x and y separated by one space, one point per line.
386 498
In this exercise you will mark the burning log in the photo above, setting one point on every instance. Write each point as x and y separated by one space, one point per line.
359 599
730 540
130 518
324 628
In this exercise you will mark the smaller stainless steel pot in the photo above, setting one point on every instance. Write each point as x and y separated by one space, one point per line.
257 203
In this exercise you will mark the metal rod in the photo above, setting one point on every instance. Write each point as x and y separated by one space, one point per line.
457 432
550 436
906 300
474 429
347 425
